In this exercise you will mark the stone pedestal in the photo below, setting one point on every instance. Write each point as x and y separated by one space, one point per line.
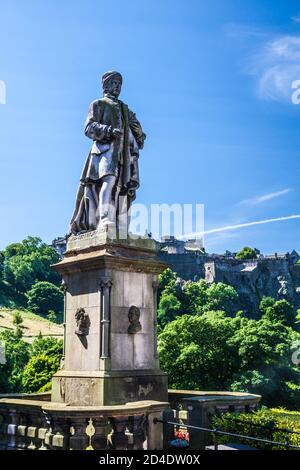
110 352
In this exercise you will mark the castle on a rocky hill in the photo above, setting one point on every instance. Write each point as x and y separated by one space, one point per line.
276 275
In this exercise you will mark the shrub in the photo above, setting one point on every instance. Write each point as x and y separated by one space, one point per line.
265 423
47 345
16 357
44 297
39 371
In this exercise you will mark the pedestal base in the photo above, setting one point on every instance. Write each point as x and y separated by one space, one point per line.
110 353
108 388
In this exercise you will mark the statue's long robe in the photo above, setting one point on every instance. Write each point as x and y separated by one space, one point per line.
108 156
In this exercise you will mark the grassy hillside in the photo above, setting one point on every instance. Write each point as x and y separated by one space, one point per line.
32 324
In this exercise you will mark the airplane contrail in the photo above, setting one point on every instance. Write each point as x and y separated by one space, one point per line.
235 227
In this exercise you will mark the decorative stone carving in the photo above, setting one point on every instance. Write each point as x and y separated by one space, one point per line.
83 322
134 320
83 326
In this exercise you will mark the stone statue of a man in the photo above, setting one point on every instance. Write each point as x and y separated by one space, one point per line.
111 169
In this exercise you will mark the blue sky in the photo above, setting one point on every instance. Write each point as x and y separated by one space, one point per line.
210 82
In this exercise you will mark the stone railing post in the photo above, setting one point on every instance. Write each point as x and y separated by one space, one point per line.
196 416
32 432
3 429
79 440
22 437
41 436
99 440
137 427
60 434
155 431
119 439
12 429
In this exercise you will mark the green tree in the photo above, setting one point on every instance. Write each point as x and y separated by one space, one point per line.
260 344
297 319
169 308
16 357
167 281
26 263
265 303
17 318
215 352
281 311
246 253
43 297
47 345
194 297
18 322
196 353
254 381
51 316
222 297
39 371
264 349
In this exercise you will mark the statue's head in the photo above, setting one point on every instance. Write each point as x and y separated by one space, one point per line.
134 314
112 83
134 320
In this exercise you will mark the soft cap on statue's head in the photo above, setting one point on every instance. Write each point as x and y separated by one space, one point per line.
108 82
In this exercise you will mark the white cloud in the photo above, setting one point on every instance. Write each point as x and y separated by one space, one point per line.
265 197
296 18
272 58
240 31
276 66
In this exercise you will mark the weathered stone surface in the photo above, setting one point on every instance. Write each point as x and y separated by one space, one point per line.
116 361
108 388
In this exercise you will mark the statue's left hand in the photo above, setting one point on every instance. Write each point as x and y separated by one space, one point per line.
117 132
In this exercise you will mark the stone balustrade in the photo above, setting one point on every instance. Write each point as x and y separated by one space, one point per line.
41 425
34 423
196 408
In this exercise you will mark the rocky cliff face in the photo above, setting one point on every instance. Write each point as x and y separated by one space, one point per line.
276 276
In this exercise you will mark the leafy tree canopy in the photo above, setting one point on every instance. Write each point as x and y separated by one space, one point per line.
281 311
39 371
217 352
27 262
46 345
17 354
246 253
44 297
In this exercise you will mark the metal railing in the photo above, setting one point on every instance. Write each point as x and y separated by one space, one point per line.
216 432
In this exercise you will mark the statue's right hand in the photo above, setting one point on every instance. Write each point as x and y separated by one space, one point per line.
117 132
